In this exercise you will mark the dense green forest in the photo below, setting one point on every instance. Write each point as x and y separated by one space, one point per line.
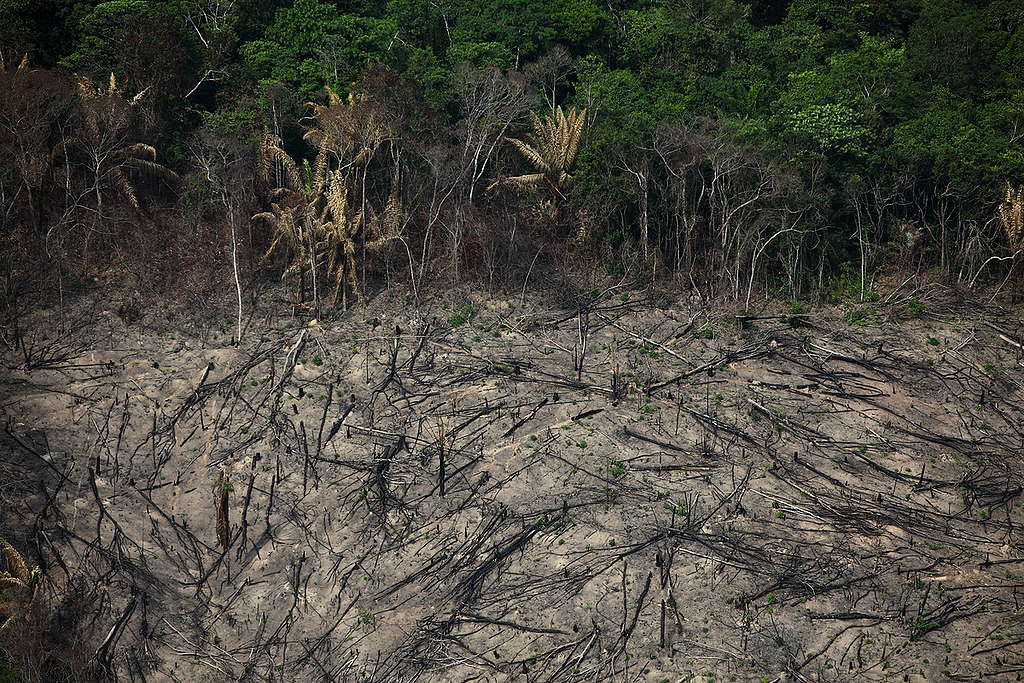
739 146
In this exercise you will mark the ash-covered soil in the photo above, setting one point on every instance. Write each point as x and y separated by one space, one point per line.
636 489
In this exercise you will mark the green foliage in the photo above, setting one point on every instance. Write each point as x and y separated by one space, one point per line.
461 316
837 19
464 50
311 44
524 27
239 122
831 128
917 100
17 32
846 287
921 626
428 71
580 23
97 30
420 22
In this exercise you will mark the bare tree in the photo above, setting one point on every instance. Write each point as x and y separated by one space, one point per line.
31 105
492 101
636 167
720 204
212 22
549 72
226 166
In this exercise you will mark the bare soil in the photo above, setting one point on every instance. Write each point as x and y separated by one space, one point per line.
634 488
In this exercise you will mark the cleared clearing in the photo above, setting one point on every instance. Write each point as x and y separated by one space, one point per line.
634 489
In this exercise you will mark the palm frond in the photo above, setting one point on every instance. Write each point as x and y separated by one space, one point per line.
267 216
271 153
279 193
315 137
291 170
320 167
139 150
572 137
1011 216
332 97
19 582
265 164
529 181
391 220
337 197
19 568
153 168
124 187
536 157
551 148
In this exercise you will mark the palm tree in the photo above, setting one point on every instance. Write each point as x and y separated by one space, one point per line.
326 213
551 149
275 169
102 142
347 130
1011 215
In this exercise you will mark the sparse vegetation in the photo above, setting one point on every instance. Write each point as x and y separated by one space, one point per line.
505 428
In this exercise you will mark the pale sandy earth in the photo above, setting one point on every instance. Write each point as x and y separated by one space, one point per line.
831 502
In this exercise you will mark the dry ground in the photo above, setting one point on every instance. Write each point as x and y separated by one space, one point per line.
636 489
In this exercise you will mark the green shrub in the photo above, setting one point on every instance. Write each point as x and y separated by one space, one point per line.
461 316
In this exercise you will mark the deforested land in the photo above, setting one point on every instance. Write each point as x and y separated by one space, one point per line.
636 487
511 340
